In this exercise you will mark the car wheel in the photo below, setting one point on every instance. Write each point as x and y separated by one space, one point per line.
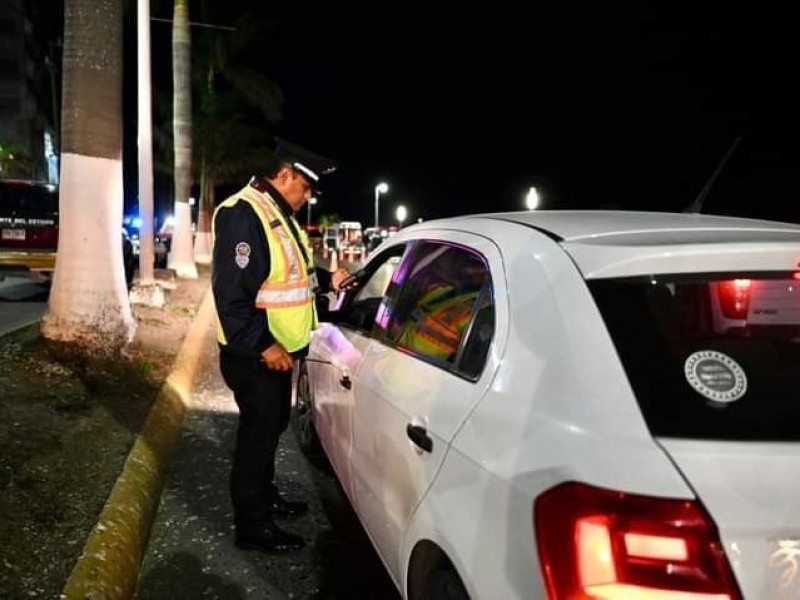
445 584
303 418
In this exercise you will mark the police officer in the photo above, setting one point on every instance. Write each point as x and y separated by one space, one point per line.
264 286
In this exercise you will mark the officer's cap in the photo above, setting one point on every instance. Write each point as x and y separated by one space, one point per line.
311 166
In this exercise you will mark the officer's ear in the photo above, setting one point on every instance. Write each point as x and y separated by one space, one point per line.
285 173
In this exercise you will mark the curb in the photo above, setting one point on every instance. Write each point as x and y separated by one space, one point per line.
108 567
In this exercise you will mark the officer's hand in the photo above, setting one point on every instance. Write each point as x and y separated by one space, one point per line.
277 358
337 277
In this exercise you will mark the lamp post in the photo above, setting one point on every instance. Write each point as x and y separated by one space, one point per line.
311 202
381 188
401 215
532 199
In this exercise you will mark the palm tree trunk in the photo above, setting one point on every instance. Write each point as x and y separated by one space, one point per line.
181 257
202 238
88 301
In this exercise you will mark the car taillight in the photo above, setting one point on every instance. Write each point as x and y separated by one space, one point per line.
734 298
595 543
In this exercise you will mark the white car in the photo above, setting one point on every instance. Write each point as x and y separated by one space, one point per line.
601 418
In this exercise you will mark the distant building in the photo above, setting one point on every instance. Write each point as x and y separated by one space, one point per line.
28 95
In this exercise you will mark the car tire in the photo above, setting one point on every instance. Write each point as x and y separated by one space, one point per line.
303 420
444 584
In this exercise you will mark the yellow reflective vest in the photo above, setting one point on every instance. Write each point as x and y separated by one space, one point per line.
287 294
436 326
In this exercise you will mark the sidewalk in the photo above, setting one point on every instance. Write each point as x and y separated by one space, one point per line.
191 554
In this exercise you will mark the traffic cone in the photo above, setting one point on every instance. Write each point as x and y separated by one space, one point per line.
334 262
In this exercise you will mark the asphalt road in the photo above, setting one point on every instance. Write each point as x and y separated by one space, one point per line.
191 552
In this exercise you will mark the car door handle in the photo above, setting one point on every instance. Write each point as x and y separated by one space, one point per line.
419 435
346 382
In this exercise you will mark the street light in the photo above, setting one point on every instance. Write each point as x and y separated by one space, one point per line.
532 199
381 188
311 202
401 215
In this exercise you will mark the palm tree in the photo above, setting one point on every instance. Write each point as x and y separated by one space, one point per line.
230 148
325 221
181 253
88 302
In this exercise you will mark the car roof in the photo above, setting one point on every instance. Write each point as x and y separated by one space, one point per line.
627 243
630 226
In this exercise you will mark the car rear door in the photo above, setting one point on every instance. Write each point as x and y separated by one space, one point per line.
410 399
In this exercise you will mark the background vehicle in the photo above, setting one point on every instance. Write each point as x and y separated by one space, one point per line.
587 428
162 239
28 216
373 236
344 236
29 227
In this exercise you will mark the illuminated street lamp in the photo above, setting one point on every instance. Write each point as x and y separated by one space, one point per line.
401 215
311 202
381 188
532 199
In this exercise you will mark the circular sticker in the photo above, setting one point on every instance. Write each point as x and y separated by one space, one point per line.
716 376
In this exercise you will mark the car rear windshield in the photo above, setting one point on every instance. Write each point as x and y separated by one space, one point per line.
714 356
27 200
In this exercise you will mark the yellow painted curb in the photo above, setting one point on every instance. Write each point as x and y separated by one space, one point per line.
108 567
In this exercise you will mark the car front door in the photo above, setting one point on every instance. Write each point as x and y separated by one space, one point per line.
413 389
337 350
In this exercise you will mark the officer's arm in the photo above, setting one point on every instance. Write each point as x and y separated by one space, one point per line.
241 265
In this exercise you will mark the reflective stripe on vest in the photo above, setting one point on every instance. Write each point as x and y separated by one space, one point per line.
286 294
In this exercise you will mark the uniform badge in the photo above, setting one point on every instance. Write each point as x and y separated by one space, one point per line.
242 254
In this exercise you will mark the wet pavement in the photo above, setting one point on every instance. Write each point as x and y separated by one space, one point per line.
191 552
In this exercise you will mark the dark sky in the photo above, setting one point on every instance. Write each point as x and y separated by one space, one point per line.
461 110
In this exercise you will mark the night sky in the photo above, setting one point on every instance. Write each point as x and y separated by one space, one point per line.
600 107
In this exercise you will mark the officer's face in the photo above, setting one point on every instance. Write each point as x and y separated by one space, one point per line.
296 189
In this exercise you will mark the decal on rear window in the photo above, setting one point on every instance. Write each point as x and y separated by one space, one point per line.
716 376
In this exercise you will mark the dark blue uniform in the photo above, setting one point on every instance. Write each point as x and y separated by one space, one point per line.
241 264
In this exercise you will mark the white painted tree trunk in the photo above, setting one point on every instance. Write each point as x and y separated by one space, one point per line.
202 239
88 302
181 256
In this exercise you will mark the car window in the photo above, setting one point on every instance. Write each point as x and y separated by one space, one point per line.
28 200
435 315
378 282
709 356
361 310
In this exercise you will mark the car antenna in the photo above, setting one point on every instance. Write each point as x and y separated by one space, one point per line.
697 205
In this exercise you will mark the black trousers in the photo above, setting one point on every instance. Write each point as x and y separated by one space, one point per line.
264 399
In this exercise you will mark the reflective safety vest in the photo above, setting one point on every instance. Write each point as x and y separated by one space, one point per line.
288 292
436 326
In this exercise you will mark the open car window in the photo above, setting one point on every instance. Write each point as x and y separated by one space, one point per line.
370 295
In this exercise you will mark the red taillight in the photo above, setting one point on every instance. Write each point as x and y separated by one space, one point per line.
734 298
600 544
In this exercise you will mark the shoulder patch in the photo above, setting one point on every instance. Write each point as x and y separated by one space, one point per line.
242 256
